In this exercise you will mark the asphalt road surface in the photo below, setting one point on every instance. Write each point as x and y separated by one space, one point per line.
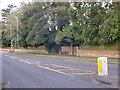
20 71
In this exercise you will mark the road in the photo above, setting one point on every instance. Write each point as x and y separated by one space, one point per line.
20 71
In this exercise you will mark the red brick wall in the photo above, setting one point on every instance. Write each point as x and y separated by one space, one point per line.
66 50
96 53
32 51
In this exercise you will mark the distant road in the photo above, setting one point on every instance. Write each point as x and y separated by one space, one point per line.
20 71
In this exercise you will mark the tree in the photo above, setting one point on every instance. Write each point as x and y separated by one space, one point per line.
95 24
69 36
54 24
6 22
39 22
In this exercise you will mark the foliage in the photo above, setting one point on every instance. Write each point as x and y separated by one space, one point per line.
35 27
59 23
94 25
69 35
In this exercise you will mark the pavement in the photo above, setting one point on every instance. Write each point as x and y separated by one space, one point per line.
21 71
108 80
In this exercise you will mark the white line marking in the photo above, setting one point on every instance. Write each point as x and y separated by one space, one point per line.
8 83
61 72
53 70
58 71
15 57
12 57
21 60
25 61
73 68
6 55
32 61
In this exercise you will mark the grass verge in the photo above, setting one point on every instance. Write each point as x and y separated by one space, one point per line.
86 59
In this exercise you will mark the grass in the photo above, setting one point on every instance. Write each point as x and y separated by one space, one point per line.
86 59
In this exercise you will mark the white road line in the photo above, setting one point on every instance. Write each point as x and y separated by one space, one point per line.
87 72
21 60
53 70
70 74
8 83
73 68
25 61
5 55
12 57
32 61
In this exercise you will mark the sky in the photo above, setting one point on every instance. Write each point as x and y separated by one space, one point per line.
4 3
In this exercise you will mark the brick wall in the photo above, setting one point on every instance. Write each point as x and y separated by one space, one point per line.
32 51
66 50
96 53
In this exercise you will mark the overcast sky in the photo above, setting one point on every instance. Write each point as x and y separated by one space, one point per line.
4 3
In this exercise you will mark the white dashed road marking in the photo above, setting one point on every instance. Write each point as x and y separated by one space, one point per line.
25 61
53 70
53 67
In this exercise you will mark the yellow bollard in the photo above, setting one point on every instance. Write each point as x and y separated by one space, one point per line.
102 66
99 66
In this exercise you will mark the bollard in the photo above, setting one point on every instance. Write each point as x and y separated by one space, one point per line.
102 66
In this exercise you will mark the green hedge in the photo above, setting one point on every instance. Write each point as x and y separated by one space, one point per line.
113 46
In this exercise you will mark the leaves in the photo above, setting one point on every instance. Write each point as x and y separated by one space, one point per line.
81 23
